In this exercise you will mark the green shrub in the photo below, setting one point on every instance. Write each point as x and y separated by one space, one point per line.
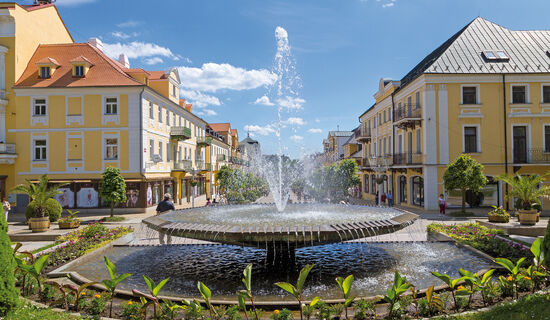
8 294
251 195
93 230
131 310
235 197
53 210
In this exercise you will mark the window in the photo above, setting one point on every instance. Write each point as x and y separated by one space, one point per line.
160 150
167 152
418 142
502 55
469 95
151 149
519 94
173 90
373 184
384 116
111 106
40 107
45 72
546 138
470 139
496 55
174 120
40 150
111 149
383 154
79 71
417 99
160 115
409 101
545 94
380 118
366 183
151 112
179 123
167 117
417 191
490 55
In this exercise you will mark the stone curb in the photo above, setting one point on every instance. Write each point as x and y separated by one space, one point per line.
41 305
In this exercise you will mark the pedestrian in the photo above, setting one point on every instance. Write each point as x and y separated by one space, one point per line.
165 205
207 202
442 204
383 198
390 199
376 199
7 207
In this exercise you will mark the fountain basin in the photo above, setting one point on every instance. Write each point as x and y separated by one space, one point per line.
298 226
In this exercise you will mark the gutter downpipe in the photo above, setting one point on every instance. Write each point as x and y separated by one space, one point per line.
505 136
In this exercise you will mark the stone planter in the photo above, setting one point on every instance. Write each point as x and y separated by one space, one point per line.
499 219
528 217
39 224
69 224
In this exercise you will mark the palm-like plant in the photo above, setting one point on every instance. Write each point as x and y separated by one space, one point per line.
528 189
39 193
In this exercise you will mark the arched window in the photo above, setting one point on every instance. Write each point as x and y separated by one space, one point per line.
373 184
366 183
417 194
402 189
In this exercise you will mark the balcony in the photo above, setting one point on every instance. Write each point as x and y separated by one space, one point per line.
408 116
204 141
183 165
7 153
408 159
203 166
180 133
220 157
531 156
363 135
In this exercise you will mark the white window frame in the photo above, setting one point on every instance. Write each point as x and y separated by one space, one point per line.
104 137
527 93
151 110
77 69
542 85
151 149
106 105
41 69
544 137
107 146
528 147
109 117
39 118
478 137
159 114
45 106
478 93
33 146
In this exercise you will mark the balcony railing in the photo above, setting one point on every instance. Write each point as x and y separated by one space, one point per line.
408 158
220 157
180 133
203 166
7 148
535 155
182 165
204 141
364 135
407 112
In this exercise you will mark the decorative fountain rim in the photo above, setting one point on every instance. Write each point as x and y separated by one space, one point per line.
298 236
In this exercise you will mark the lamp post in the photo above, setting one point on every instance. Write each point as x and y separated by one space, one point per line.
193 172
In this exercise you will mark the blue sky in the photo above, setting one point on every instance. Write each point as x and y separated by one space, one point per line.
224 50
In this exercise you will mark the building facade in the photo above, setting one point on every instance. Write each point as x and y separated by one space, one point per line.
484 92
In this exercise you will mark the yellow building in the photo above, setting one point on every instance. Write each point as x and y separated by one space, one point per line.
484 92
218 153
22 29
334 146
79 111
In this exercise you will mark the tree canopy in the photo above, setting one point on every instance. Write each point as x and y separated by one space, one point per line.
464 174
113 187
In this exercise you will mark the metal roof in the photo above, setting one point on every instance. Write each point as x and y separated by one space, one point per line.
340 133
463 52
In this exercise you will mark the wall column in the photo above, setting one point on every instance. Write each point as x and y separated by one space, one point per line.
429 136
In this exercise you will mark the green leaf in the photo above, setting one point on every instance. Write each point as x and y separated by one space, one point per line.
518 265
288 288
443 277
110 267
121 278
150 283
505 263
314 301
347 285
242 303
487 275
536 247
159 286
204 290
109 285
40 263
247 273
302 277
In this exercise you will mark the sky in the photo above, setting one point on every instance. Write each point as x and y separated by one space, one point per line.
224 51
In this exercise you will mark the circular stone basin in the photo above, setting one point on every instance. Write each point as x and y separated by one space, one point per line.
299 225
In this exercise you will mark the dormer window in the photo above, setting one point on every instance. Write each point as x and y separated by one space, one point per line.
45 72
495 55
79 71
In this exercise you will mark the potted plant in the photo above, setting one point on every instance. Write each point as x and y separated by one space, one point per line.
70 221
527 190
39 193
499 215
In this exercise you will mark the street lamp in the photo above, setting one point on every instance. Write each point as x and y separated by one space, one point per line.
193 172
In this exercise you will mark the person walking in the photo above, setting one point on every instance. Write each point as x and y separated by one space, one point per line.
383 198
376 199
7 207
389 196
442 204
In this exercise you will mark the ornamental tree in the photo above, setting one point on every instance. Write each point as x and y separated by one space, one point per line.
8 293
464 174
113 187
546 247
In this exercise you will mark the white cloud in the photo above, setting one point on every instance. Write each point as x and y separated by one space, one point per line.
137 49
120 35
314 130
153 60
126 24
317 120
291 102
255 129
72 2
207 112
389 4
295 121
200 99
213 77
296 138
264 100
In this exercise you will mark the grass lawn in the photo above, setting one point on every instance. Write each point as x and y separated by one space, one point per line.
536 307
30 312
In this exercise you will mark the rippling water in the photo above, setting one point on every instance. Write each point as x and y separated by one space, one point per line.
220 267
293 215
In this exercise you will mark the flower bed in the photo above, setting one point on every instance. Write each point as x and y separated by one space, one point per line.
82 241
490 241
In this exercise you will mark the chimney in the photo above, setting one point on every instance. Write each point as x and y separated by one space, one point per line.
123 60
95 42
189 107
182 103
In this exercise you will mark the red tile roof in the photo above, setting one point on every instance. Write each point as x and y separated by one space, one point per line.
81 59
48 60
104 72
220 127
157 75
